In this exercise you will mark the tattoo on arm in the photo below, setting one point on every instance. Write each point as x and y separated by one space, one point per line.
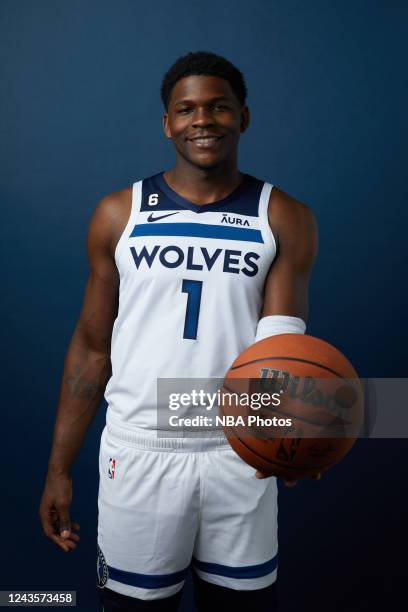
80 387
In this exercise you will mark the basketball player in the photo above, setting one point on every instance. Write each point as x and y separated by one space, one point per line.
187 268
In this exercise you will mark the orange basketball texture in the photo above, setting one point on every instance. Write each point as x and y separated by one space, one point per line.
314 443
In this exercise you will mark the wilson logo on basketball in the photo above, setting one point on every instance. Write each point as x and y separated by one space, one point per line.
306 390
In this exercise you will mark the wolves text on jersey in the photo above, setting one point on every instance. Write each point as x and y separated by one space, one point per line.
195 258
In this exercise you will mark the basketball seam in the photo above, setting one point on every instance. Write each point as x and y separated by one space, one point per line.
298 359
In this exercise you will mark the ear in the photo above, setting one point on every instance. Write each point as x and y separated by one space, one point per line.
166 127
244 118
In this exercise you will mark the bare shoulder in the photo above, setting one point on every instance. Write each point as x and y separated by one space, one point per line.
109 218
289 218
284 206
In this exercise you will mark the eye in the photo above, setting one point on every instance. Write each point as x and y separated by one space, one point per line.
220 107
183 110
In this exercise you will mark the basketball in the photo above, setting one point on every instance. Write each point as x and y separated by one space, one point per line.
316 412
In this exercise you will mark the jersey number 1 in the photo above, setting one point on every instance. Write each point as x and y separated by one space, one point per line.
193 290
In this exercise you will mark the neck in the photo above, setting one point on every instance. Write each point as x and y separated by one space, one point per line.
203 185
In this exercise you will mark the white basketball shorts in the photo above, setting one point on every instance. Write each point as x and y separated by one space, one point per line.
166 503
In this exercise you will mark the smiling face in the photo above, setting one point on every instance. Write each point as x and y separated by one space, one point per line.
205 120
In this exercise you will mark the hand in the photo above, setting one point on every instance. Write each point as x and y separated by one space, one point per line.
54 512
288 482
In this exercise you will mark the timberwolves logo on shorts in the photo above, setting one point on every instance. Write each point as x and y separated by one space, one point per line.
101 570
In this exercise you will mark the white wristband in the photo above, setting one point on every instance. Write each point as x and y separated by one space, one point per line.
279 324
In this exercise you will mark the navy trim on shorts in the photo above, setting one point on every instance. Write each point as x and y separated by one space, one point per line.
146 581
249 571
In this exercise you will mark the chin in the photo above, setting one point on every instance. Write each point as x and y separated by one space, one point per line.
206 164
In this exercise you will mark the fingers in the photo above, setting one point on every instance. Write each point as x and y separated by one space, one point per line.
52 529
66 537
289 482
54 512
260 474
51 533
66 544
64 521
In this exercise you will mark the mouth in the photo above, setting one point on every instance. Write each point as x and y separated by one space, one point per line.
205 142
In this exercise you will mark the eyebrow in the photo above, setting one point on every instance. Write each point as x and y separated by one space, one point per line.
215 99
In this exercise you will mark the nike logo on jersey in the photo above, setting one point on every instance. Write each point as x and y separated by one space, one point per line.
151 218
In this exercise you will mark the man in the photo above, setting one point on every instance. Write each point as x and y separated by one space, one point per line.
187 268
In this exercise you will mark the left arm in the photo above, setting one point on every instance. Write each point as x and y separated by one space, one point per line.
295 229
287 284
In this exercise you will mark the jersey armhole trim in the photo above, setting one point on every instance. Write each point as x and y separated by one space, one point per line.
134 212
267 233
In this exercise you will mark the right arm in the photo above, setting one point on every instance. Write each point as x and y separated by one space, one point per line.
86 371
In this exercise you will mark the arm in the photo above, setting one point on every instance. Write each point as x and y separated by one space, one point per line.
85 374
287 284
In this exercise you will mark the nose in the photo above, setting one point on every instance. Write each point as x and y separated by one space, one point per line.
202 117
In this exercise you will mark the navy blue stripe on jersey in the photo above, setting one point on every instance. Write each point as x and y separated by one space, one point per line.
197 230
242 201
146 581
248 571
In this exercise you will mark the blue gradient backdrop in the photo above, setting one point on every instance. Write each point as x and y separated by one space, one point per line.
80 116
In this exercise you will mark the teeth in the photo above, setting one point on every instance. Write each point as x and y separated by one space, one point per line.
205 139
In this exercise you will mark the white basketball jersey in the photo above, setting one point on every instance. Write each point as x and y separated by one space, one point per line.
191 290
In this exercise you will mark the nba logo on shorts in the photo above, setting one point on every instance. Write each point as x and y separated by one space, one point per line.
111 471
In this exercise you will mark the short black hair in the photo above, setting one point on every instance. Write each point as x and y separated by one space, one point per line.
207 64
